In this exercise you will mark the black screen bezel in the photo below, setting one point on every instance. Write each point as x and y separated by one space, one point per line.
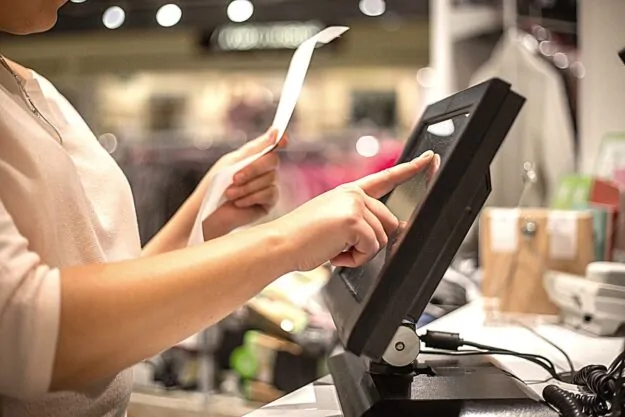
365 328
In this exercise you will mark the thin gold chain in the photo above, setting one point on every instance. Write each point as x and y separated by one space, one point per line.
28 100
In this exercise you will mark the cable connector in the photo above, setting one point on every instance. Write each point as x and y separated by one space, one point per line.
442 340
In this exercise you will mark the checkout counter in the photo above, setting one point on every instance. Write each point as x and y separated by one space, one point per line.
320 399
383 369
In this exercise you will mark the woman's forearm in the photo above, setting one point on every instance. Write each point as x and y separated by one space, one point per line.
114 315
176 232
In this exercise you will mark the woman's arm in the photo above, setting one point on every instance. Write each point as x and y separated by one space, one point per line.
70 328
115 315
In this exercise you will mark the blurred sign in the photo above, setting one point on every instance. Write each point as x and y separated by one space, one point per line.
284 35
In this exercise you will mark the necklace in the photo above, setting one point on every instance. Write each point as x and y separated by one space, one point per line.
28 100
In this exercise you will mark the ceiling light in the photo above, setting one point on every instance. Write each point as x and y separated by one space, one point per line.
372 7
561 60
113 17
169 15
368 146
78 1
240 10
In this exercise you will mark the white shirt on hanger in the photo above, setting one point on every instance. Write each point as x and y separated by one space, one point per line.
543 132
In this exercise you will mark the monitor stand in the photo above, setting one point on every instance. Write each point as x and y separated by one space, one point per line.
440 386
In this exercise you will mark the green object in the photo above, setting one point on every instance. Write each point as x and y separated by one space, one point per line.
573 193
244 363
611 155
600 219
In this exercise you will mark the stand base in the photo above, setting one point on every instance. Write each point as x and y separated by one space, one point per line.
443 387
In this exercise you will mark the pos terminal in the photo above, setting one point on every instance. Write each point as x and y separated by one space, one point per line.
375 307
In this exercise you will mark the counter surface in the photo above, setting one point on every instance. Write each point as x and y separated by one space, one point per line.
320 399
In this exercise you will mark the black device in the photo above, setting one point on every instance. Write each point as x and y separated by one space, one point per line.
621 54
372 303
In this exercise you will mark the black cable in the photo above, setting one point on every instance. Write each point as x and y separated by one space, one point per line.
591 404
453 341
527 357
546 340
616 363
519 354
597 380
618 396
562 401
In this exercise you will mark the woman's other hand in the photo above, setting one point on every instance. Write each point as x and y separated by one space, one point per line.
347 225
254 192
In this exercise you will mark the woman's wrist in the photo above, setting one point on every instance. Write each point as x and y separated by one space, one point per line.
280 247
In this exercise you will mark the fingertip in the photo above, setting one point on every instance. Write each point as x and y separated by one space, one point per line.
424 156
230 193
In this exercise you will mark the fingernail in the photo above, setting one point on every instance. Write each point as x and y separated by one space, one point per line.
425 155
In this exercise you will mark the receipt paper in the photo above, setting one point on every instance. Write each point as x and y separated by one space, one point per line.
291 90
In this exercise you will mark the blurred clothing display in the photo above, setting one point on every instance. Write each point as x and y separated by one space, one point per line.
543 134
159 190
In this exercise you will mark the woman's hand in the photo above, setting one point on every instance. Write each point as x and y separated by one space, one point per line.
254 192
348 225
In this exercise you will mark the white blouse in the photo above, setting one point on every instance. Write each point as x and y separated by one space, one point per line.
61 205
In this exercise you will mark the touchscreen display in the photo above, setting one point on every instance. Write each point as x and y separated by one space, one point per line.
405 200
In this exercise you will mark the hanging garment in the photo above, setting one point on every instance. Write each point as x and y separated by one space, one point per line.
543 132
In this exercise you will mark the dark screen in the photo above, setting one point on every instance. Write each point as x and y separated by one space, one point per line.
405 201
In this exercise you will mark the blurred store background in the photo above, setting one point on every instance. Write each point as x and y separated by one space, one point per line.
169 86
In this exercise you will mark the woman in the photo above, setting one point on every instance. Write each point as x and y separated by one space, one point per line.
79 301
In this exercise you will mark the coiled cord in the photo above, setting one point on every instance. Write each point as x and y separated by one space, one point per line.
563 401
597 380
591 405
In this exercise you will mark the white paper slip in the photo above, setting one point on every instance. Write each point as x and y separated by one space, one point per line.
504 230
562 227
291 90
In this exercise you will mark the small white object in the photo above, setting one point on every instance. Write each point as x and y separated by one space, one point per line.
240 11
504 230
590 305
114 17
404 347
287 325
293 84
372 8
169 15
606 273
562 228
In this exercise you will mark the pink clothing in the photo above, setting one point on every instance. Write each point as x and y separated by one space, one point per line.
61 205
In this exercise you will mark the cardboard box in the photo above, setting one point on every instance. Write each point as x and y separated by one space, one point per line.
518 245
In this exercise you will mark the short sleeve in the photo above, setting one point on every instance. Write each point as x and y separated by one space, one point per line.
29 315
